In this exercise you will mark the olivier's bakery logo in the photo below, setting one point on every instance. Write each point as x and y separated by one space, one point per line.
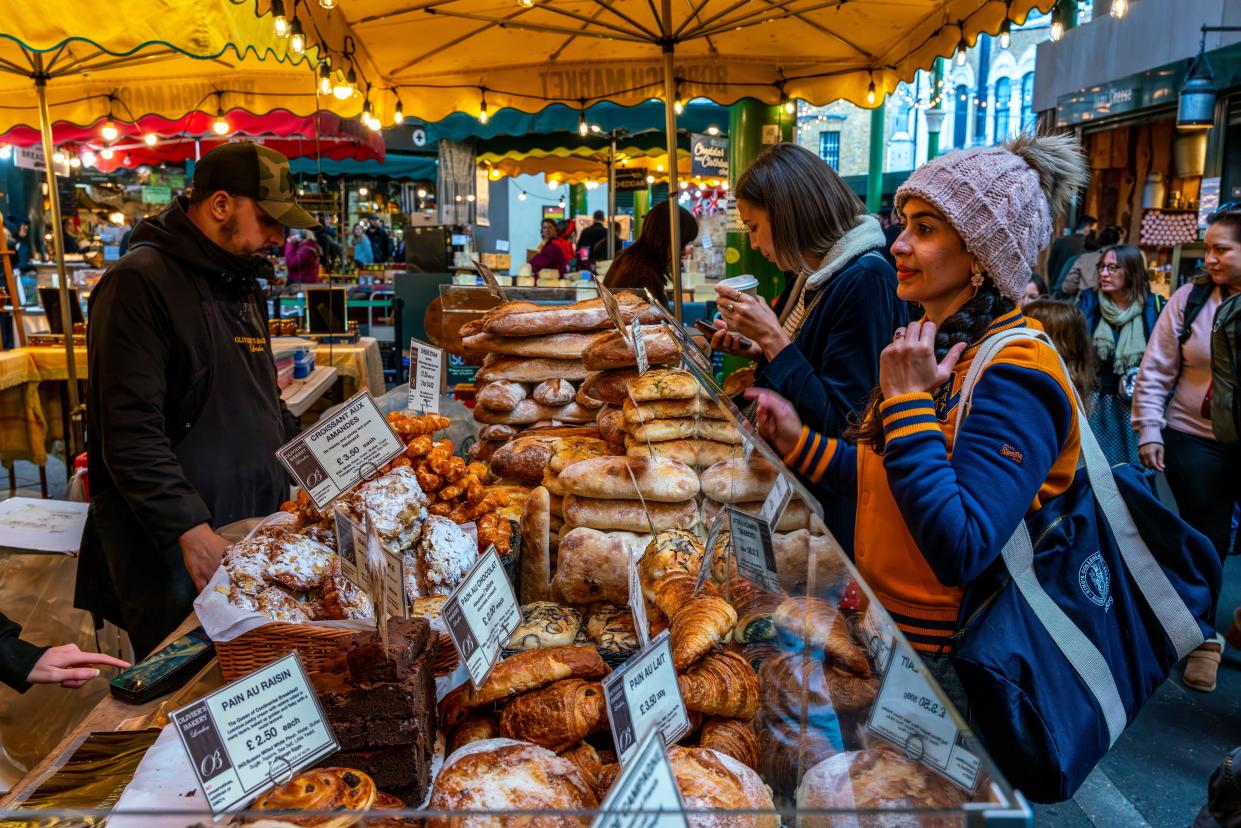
1096 581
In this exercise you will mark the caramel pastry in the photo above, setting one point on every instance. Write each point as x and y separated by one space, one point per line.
732 737
555 717
698 626
533 669
322 789
722 684
822 627
474 728
673 550
715 784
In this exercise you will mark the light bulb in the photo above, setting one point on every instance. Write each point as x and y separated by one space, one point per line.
116 217
723 185
325 79
106 153
297 38
422 193
470 198
650 179
127 160
715 182
595 128
959 57
659 168
398 117
220 125
525 4
684 185
327 4
58 157
1057 24
790 106
697 193
362 191
870 93
1006 33
561 202
482 111
89 158
109 131
521 196
1119 8
150 139
713 130
75 162
281 24
582 128
678 107
347 87
552 184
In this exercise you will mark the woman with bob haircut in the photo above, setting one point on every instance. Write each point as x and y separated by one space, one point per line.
939 502
644 264
821 351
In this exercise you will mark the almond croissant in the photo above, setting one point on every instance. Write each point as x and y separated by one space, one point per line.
698 626
733 737
722 684
555 717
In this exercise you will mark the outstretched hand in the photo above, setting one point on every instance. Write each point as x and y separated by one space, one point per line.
908 366
777 420
69 667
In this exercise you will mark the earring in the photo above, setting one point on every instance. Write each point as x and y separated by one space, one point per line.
977 279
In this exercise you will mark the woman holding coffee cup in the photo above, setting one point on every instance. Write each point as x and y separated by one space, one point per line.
820 347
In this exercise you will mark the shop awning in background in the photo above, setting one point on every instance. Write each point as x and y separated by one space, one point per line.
697 116
578 170
395 167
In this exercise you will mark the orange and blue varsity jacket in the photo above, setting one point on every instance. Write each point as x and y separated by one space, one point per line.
936 508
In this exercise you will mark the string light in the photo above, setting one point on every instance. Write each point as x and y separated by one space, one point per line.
723 185
278 20
297 38
58 157
596 129
713 130
219 126
650 179
552 184
561 202
1119 9
678 106
482 109
790 106
398 117
1057 24
470 198
75 162
325 78
521 196
149 139
89 158
109 130
962 47
327 4
362 191
1006 33
870 91
106 153
347 88
684 185
422 193
583 129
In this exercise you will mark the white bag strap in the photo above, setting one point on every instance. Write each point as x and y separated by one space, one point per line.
1169 608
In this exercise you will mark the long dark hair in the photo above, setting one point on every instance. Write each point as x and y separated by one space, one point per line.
1133 263
808 205
966 325
1065 323
644 263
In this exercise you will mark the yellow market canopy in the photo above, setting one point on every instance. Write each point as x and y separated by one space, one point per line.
578 169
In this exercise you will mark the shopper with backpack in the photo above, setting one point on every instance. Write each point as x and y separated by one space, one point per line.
1171 412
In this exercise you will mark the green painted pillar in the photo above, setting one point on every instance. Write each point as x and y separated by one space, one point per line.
577 200
641 206
937 90
1068 13
874 171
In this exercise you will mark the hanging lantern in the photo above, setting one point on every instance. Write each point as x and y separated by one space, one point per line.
1195 108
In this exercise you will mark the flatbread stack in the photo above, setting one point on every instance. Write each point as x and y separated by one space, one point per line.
533 370
630 494
665 415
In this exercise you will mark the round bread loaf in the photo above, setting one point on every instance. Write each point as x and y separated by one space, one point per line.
499 775
713 781
877 780
738 480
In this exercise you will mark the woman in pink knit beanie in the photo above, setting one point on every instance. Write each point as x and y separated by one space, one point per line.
937 504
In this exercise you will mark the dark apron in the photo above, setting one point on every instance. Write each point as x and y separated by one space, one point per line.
228 456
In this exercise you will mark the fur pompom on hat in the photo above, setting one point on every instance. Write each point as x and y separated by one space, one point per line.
1003 200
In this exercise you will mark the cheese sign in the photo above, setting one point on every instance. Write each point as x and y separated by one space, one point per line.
753 549
645 794
490 280
643 695
332 457
637 605
708 558
639 345
425 363
910 715
254 734
611 306
481 614
777 500
351 549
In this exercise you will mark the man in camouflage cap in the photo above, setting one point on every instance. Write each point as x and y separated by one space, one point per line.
184 415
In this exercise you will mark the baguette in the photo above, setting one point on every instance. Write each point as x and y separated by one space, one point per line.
502 395
613 478
529 319
594 566
738 481
551 346
628 515
610 386
614 350
530 369
670 409
698 454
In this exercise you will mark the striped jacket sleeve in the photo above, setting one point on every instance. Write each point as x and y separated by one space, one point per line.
826 462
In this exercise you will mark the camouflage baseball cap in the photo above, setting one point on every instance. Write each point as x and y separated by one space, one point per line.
248 169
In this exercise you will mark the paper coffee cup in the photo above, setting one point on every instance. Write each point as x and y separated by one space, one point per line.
742 284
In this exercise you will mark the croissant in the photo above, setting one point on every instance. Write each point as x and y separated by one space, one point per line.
722 684
322 789
452 710
786 752
822 627
556 717
533 669
474 728
733 737
584 755
674 591
673 550
698 626
754 610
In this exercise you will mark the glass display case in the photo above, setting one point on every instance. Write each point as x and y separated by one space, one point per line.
840 721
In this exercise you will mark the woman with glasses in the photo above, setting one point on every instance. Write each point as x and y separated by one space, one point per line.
1120 316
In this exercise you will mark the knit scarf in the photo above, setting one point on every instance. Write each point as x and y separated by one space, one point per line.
864 236
1128 345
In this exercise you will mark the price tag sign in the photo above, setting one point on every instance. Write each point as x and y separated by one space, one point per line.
637 605
253 734
777 500
351 548
909 714
395 600
333 456
425 363
708 559
639 345
610 306
644 695
648 785
481 614
753 549
490 280
877 637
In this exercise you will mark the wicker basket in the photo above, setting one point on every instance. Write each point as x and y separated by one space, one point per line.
263 645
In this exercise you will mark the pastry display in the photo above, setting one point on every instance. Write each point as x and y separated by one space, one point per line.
533 669
545 624
557 716
345 790
877 781
731 737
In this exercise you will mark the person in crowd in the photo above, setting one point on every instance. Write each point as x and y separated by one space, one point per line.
183 413
942 503
1120 317
645 264
592 235
69 238
23 664
891 229
301 257
381 242
565 232
1082 273
363 254
329 242
1036 288
552 254
1174 433
820 349
1066 247
600 251
1065 323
